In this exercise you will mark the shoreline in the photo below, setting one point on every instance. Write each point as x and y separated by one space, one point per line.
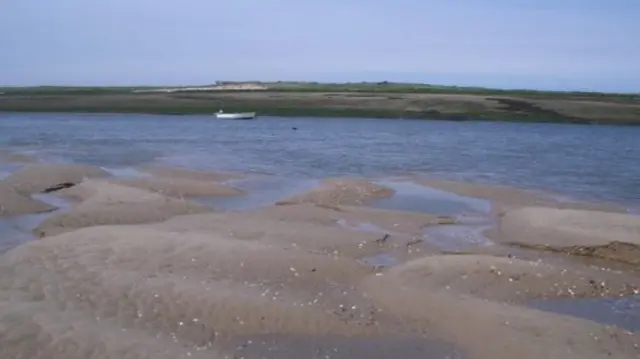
504 107
337 113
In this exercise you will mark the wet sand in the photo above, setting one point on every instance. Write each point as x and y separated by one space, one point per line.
141 267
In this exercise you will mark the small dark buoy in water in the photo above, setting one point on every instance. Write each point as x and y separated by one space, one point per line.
294 128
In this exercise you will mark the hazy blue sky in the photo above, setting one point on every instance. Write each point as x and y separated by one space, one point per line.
559 44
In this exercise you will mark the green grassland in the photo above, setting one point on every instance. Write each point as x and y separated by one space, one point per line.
393 100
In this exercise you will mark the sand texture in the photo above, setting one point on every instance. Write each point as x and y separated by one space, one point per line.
180 187
353 232
132 269
507 198
38 177
565 227
104 203
341 191
510 279
193 287
489 330
593 233
13 203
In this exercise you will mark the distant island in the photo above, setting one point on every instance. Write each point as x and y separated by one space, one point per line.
364 99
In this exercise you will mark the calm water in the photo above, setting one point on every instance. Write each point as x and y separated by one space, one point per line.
597 162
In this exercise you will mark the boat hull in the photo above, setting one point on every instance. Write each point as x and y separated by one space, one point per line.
236 116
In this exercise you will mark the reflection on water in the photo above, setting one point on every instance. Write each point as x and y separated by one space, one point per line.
473 214
17 230
622 312
261 191
381 260
6 169
11 235
457 237
361 226
417 198
124 172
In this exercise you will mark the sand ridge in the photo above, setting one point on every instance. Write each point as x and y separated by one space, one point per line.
337 231
14 203
137 273
488 330
341 191
38 177
568 227
511 280
105 203
506 198
180 187
612 236
194 286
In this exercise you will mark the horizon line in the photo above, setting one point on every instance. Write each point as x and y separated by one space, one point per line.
313 82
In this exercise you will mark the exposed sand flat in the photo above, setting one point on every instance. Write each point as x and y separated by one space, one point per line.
38 177
341 191
601 234
37 330
568 227
13 203
489 330
509 279
106 203
188 174
196 287
133 270
367 219
507 198
352 232
180 187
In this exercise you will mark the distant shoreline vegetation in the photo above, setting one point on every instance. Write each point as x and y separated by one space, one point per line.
292 86
381 99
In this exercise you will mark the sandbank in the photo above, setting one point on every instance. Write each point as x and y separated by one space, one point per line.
195 287
181 187
38 177
506 198
350 231
135 270
489 330
341 191
600 234
103 203
14 203
510 279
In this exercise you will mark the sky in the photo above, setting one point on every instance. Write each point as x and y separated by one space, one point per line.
538 44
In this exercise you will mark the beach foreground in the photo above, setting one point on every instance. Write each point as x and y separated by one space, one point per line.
144 268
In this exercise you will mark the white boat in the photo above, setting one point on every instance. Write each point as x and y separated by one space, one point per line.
235 116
